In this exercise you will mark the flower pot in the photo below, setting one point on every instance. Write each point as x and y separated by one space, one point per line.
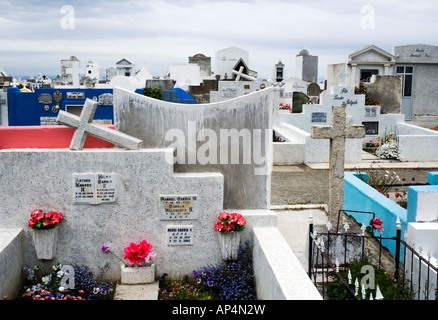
229 243
138 275
45 243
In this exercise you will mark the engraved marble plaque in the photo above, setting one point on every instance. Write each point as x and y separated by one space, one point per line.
94 188
83 188
179 235
105 187
178 207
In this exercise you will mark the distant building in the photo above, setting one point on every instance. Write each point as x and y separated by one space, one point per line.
125 68
307 66
417 65
230 59
279 72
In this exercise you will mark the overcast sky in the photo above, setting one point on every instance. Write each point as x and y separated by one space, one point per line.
37 34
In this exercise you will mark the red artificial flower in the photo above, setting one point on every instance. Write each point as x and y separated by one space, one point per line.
131 253
377 223
379 190
144 249
397 194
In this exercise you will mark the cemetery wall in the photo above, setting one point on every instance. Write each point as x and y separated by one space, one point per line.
359 196
415 143
191 128
279 274
40 107
44 137
45 179
11 261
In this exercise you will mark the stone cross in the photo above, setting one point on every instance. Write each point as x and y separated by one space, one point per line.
337 133
241 74
84 126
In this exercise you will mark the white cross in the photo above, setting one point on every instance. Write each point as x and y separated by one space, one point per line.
75 71
241 74
337 133
84 126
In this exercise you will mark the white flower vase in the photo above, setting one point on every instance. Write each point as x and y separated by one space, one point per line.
45 241
138 275
229 244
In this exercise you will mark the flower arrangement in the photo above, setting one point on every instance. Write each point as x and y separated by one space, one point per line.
43 221
42 285
229 222
284 106
136 253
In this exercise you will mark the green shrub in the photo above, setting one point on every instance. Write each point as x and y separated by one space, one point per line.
152 92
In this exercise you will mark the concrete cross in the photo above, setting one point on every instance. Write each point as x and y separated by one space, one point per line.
75 71
84 126
337 133
241 74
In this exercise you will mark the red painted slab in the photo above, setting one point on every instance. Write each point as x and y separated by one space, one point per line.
42 137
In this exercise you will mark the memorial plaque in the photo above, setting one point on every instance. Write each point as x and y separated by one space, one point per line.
178 207
370 111
179 235
75 95
48 121
83 188
45 98
105 99
94 188
319 117
57 96
105 187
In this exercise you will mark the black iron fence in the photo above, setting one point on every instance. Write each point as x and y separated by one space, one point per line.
334 252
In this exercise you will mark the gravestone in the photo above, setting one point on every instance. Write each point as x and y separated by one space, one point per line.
231 137
83 126
337 132
298 99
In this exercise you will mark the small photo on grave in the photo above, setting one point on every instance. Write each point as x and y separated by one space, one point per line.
371 127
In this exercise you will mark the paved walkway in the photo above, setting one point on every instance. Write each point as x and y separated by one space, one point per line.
293 224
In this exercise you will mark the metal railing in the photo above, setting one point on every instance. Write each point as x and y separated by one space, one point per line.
419 275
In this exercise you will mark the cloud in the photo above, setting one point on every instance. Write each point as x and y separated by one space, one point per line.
162 33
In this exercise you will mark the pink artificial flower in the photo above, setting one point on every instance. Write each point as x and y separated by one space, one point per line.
150 257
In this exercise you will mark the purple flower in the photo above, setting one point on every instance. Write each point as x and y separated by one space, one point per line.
105 249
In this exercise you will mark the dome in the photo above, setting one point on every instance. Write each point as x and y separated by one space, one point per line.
304 52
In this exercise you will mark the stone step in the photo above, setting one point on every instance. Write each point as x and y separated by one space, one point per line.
137 291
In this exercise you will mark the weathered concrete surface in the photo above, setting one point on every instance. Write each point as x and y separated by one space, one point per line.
191 128
301 184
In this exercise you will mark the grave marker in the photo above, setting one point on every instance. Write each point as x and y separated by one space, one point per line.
178 207
84 126
94 188
337 133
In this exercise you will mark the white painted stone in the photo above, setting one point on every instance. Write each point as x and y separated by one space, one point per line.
189 128
278 272
42 178
84 126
